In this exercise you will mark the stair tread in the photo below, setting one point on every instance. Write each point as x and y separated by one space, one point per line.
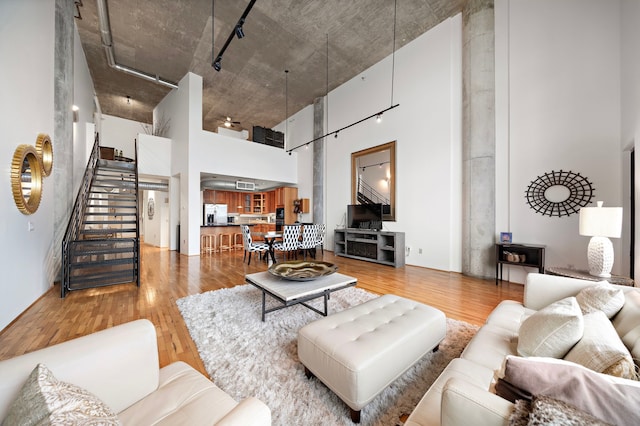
107 231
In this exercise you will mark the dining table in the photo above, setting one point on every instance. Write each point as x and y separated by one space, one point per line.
270 238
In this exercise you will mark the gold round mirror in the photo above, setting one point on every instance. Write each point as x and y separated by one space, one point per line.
26 178
45 151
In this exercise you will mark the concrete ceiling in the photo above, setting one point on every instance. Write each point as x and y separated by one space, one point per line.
168 38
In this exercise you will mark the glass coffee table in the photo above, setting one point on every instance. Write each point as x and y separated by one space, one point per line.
291 293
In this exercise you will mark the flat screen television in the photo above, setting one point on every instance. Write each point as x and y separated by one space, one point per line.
364 216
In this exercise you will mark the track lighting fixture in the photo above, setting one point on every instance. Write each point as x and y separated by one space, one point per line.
239 30
379 118
236 32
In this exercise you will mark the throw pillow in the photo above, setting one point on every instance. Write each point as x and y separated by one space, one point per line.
601 349
548 411
45 400
601 297
551 331
610 399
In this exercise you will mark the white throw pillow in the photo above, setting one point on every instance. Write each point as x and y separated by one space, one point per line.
44 400
601 349
551 331
601 297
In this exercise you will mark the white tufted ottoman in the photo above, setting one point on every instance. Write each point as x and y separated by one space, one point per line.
360 351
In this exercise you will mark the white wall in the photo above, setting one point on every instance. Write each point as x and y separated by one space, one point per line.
120 133
559 108
299 130
156 229
83 94
26 109
630 12
426 127
154 155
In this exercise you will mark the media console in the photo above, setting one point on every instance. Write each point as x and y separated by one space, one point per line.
382 247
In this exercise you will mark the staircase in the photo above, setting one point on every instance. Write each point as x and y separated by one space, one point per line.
101 245
367 195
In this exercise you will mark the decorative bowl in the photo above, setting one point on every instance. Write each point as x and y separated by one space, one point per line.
302 270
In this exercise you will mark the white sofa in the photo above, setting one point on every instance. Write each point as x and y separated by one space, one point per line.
120 366
461 395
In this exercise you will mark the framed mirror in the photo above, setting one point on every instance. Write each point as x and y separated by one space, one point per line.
26 179
373 178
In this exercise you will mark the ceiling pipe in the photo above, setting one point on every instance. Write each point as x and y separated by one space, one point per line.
107 43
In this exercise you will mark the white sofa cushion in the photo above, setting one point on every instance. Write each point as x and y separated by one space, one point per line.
601 297
627 322
601 349
552 331
43 399
183 395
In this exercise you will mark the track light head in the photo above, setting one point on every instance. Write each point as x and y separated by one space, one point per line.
217 65
289 152
379 118
336 135
239 30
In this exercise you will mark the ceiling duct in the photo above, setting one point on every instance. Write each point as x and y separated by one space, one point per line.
218 184
107 43
245 186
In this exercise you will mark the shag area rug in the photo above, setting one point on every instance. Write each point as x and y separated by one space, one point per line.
247 357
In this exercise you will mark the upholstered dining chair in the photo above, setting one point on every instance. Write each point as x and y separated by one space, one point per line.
290 240
322 230
249 245
308 242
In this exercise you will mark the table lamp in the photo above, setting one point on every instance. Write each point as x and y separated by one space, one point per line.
600 223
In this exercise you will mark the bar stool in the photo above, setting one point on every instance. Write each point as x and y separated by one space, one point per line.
225 243
208 244
238 242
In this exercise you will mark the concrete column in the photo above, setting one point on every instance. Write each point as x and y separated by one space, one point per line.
318 161
478 133
63 127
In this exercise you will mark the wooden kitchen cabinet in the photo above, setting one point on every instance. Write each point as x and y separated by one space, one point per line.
208 196
270 202
257 203
289 194
278 196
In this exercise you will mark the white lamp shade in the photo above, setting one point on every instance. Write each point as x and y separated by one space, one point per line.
601 221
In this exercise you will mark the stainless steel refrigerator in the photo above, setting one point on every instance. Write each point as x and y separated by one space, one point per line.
214 214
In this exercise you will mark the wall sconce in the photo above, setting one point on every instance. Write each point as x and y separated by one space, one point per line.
600 223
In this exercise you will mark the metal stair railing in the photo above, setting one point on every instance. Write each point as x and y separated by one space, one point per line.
368 195
137 240
96 256
77 214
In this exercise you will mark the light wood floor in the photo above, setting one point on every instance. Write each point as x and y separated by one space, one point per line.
167 276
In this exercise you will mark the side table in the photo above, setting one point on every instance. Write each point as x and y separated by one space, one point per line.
584 275
533 256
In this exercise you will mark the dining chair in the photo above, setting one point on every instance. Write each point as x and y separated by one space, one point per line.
290 240
249 245
308 241
322 230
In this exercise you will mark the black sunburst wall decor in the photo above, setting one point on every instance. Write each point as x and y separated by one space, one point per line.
580 193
